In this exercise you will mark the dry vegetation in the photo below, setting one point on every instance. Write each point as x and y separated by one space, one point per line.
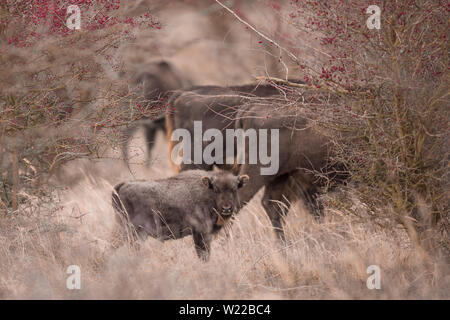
327 260
63 105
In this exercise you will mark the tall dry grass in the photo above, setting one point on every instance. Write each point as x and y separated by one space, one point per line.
327 260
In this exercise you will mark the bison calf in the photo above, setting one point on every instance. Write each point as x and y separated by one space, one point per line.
193 202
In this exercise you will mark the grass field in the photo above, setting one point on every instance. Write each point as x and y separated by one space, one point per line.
327 260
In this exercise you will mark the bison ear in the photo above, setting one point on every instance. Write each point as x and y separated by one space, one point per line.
242 180
207 181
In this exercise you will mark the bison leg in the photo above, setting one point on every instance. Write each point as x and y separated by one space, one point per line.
151 129
276 202
202 244
150 133
314 204
303 185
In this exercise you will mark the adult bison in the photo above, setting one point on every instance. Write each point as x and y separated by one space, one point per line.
153 86
303 151
216 108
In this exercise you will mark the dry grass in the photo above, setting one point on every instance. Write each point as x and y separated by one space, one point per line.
327 260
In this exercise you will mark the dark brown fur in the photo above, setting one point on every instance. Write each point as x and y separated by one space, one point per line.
302 149
194 202
153 86
215 106
304 152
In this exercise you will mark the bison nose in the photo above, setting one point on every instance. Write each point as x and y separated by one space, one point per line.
227 209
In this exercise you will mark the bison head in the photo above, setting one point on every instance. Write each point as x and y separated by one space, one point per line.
224 188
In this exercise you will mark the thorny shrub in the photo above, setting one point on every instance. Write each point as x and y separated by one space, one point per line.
59 97
389 110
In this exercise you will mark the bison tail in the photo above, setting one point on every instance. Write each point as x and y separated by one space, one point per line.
116 202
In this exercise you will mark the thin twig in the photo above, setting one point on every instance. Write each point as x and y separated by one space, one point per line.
262 35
